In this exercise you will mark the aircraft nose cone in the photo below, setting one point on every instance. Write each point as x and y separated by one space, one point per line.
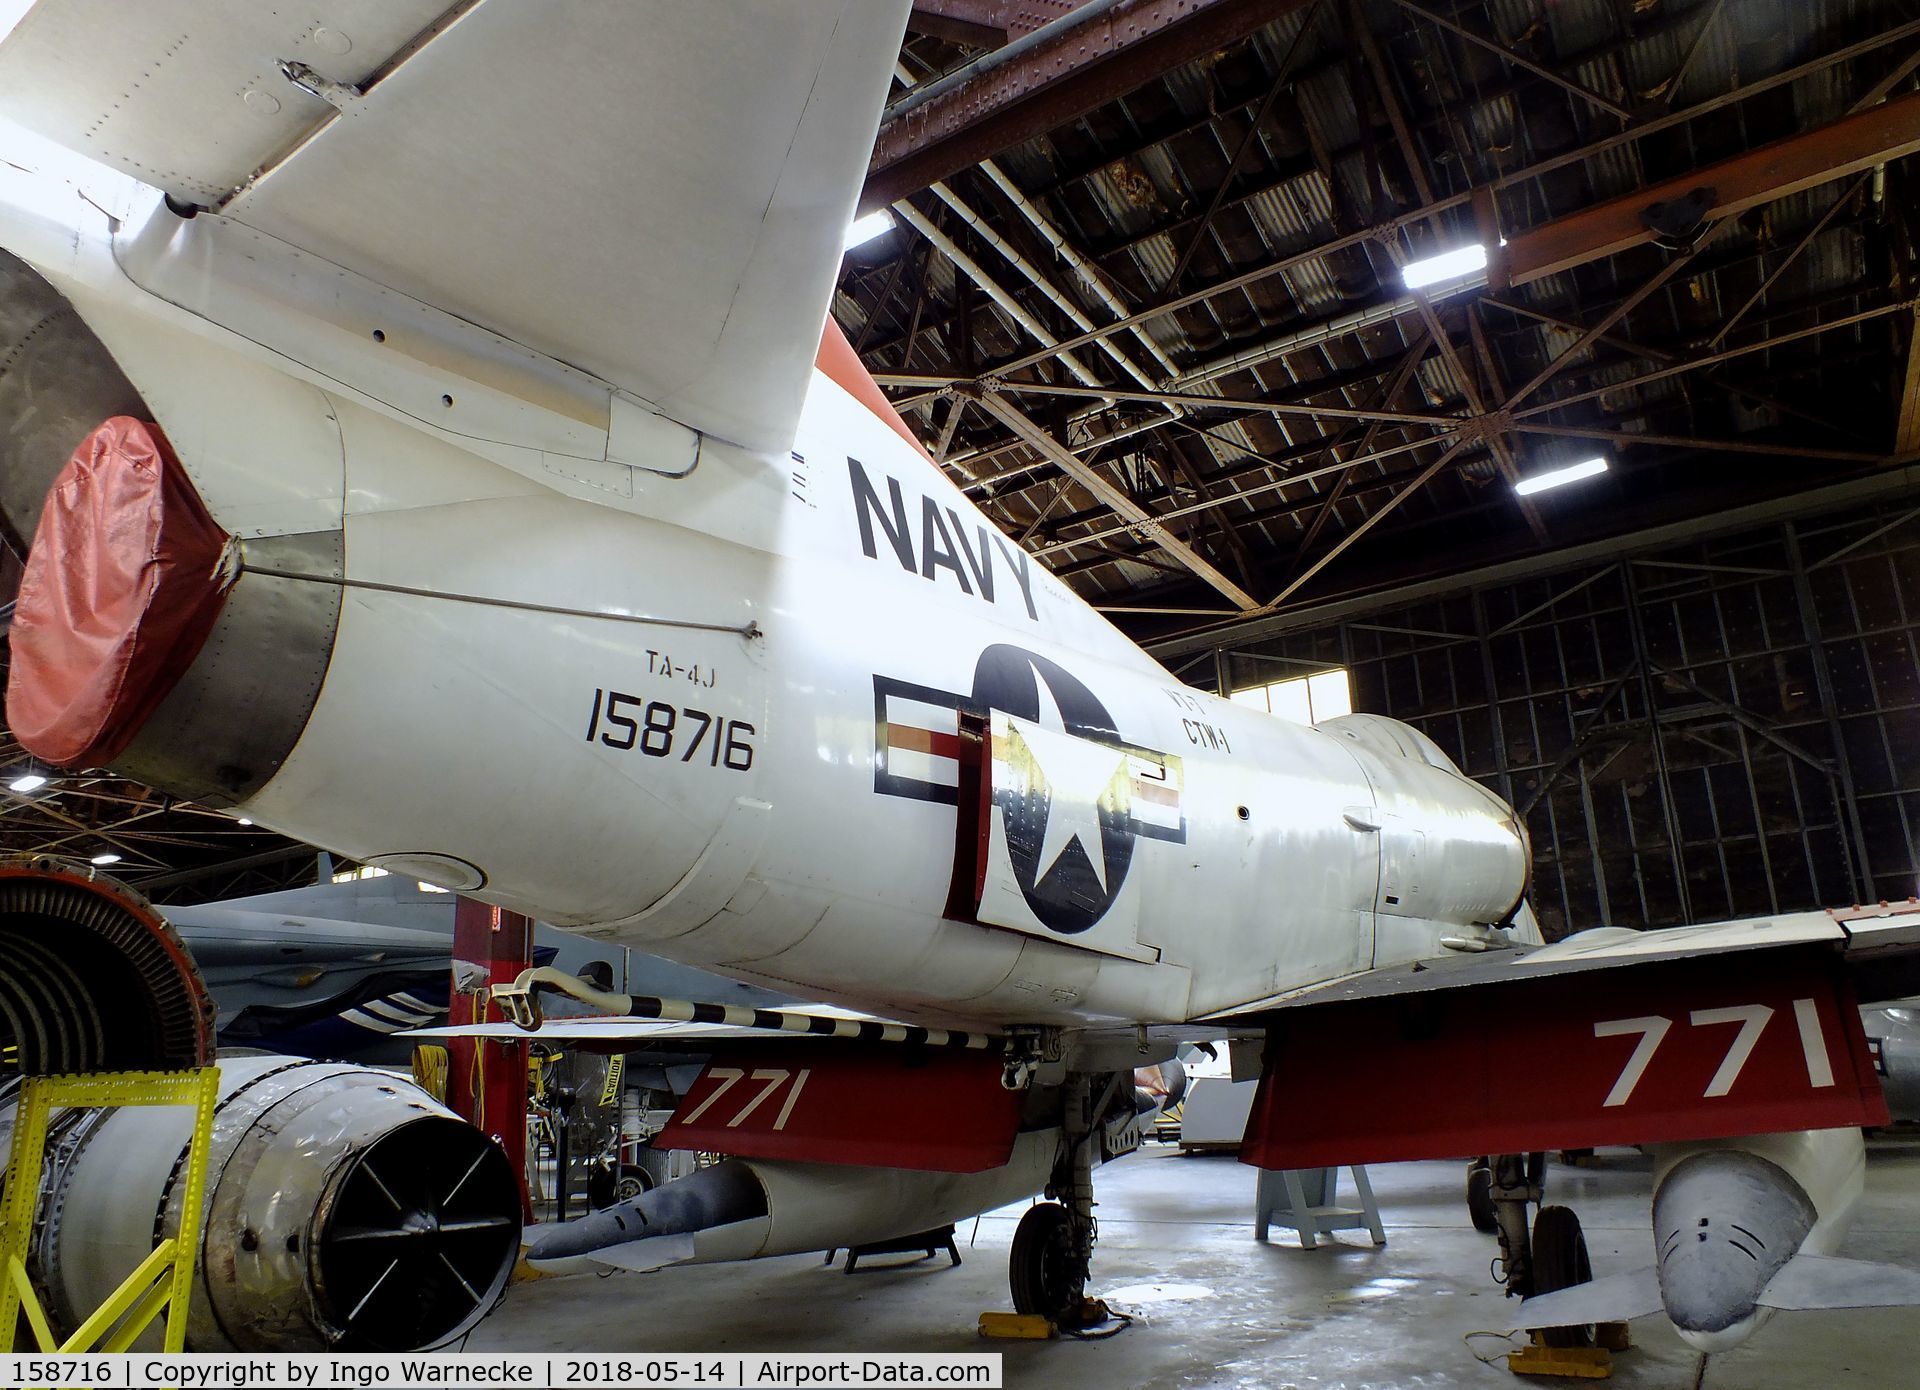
1725 1222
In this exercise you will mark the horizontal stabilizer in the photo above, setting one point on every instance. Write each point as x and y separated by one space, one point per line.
588 1033
1820 1281
652 192
1616 1298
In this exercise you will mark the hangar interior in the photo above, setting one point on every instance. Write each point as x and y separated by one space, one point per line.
1152 289
1696 672
1244 211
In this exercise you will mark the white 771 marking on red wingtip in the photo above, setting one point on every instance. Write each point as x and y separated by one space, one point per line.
1753 1020
772 1079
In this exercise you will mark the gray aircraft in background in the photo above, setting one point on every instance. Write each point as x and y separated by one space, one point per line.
1893 1032
336 970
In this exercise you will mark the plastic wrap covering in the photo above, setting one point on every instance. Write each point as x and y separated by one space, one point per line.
91 976
120 590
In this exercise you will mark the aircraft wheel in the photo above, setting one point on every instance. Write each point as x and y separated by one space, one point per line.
1480 1198
633 1182
1559 1262
1045 1275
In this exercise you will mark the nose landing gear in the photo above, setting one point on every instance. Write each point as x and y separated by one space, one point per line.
1549 1258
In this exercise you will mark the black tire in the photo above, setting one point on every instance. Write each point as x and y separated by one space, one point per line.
1045 1277
601 1187
1480 1199
1559 1262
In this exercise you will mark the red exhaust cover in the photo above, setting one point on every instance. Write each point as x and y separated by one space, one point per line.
120 590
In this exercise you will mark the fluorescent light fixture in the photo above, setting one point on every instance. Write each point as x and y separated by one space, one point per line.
31 782
1448 265
1560 477
865 229
106 859
244 820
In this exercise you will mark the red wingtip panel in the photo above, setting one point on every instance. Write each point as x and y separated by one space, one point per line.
818 1102
844 367
1644 1054
119 593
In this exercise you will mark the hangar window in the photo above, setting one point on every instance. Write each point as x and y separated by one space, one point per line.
364 871
1304 699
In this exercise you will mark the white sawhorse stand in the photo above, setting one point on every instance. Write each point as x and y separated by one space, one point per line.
1302 1199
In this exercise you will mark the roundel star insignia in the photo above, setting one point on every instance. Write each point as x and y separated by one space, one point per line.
1067 798
1075 798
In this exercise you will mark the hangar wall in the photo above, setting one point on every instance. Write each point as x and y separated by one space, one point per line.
1728 727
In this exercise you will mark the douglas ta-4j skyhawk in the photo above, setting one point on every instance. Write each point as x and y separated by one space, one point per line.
428 446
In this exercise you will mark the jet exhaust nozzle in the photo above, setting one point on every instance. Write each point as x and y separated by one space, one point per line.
345 1210
57 381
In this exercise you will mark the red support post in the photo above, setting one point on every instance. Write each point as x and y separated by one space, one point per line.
487 1079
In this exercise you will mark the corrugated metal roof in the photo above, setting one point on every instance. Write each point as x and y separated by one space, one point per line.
1133 201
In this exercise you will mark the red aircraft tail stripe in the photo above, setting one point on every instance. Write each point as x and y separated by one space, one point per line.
844 367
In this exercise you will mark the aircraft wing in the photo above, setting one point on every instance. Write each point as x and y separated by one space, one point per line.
1879 948
654 192
1610 1037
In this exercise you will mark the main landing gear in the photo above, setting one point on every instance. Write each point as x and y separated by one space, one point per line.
1480 1197
1553 1256
1559 1262
1053 1244
1047 1274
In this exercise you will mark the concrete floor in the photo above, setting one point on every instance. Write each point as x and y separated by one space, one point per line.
1269 1316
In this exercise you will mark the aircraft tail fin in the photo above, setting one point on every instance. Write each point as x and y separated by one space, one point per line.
1821 1281
1616 1298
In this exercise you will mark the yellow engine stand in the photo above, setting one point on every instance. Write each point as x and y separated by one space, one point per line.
165 1278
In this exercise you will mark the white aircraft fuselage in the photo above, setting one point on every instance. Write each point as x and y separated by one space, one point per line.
598 669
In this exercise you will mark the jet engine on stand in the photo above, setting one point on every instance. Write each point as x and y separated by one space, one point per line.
345 1208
